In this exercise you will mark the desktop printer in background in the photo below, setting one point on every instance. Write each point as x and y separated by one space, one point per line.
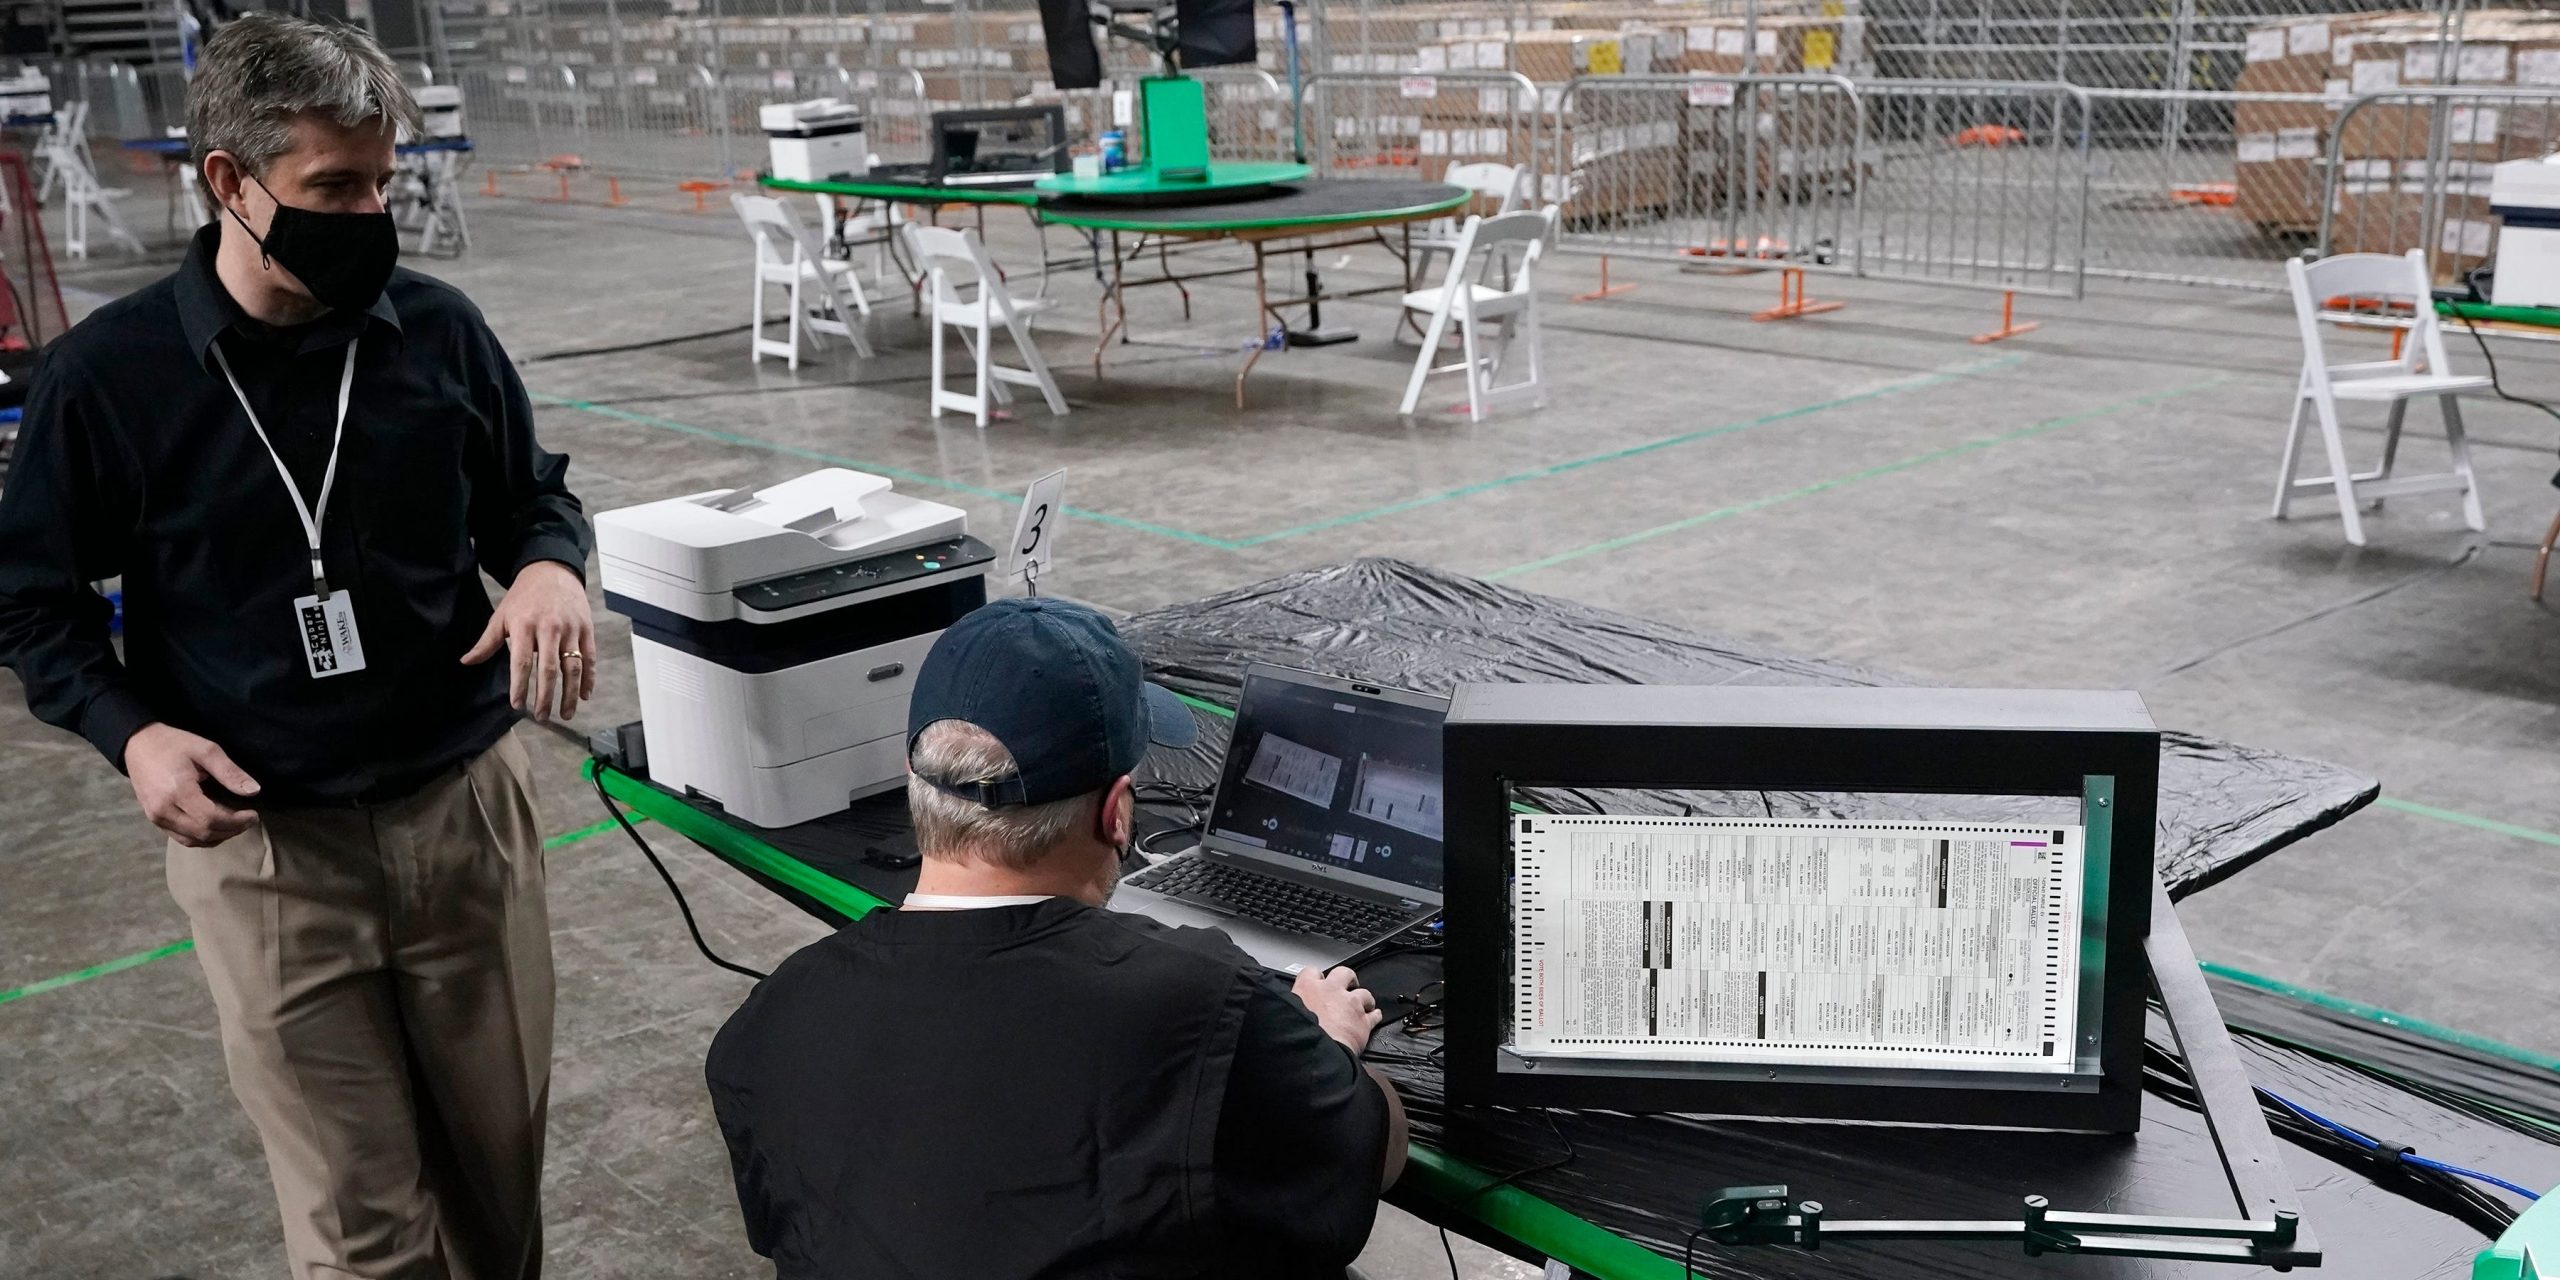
815 141
2525 194
776 634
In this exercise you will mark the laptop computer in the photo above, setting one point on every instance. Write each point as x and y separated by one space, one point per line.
1324 833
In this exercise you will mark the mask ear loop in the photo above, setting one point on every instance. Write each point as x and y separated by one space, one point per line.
264 259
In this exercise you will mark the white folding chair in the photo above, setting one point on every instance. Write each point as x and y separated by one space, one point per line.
2419 370
1509 247
787 255
1504 184
954 261
65 147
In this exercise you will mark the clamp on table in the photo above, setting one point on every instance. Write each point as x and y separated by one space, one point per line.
1764 1215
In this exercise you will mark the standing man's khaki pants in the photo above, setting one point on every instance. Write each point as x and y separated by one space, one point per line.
384 978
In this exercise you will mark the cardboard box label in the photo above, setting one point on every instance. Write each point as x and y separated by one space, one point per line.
1818 50
2466 236
1729 42
2297 144
2374 77
1700 40
1710 93
2257 148
2266 45
2483 64
518 75
1768 44
1431 57
2334 93
2306 38
1493 100
644 75
2423 64
2471 126
783 79
2538 66
2343 50
1604 58
1419 86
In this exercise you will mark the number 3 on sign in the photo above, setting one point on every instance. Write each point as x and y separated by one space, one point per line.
1035 532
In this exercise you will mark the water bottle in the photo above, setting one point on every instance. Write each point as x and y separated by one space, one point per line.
1115 151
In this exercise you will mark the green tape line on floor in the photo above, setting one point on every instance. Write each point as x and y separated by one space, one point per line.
1632 451
894 473
1937 378
168 949
2472 820
1855 477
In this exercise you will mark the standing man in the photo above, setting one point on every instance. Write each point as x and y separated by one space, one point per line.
300 459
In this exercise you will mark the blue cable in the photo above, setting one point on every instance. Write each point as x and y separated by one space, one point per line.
2312 1117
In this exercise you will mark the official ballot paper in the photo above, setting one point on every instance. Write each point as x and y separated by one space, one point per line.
1835 943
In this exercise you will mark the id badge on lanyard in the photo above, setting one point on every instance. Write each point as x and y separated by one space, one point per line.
325 620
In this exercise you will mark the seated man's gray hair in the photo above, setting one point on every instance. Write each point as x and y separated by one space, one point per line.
264 69
948 826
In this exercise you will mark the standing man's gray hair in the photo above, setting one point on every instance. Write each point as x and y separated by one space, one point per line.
264 69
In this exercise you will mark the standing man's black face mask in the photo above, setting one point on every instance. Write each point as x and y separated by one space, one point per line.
344 259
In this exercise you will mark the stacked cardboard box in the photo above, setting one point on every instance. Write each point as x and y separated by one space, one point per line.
2302 75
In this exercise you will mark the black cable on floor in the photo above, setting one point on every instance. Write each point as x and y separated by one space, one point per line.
2462 558
1450 1254
596 776
577 353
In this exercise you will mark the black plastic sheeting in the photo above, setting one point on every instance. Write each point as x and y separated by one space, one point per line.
2222 807
1310 198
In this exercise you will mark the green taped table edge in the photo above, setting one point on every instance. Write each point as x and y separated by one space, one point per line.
1223 175
1118 220
735 846
2545 317
906 192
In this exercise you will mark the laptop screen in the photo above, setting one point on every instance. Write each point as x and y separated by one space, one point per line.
1331 775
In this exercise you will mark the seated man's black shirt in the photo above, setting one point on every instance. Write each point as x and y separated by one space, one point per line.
1046 1090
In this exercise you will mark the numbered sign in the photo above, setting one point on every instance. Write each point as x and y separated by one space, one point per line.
1035 531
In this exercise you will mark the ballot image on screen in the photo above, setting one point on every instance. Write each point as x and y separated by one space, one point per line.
1829 943
1294 770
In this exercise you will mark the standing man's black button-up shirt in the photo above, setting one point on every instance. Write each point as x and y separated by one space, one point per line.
135 459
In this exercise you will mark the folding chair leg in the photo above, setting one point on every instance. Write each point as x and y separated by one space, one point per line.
938 327
1038 365
2542 560
1431 335
2472 515
2390 443
797 316
2339 479
755 320
2292 454
1476 373
1537 368
989 390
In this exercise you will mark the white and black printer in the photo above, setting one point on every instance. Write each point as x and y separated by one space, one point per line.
776 634
2525 194
815 141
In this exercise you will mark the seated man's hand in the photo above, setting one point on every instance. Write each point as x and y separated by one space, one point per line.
1346 1012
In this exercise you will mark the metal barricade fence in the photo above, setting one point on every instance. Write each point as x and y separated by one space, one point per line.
1700 168
1367 124
2179 195
1980 184
2409 169
1249 114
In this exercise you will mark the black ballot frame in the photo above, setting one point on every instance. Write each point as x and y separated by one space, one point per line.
1503 738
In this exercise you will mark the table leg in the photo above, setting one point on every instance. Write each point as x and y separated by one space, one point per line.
1164 264
1113 301
1262 319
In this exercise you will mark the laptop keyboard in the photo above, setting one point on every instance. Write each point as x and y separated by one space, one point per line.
1282 904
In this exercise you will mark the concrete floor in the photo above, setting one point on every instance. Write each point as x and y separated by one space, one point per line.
2084 506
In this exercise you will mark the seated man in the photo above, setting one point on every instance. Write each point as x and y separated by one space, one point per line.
1003 1079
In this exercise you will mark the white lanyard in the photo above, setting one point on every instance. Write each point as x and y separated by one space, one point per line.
311 515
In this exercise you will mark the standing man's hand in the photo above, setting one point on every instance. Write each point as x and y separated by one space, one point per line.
550 637
1342 1008
169 767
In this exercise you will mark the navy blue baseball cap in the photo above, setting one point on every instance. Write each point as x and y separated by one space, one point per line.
1054 682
